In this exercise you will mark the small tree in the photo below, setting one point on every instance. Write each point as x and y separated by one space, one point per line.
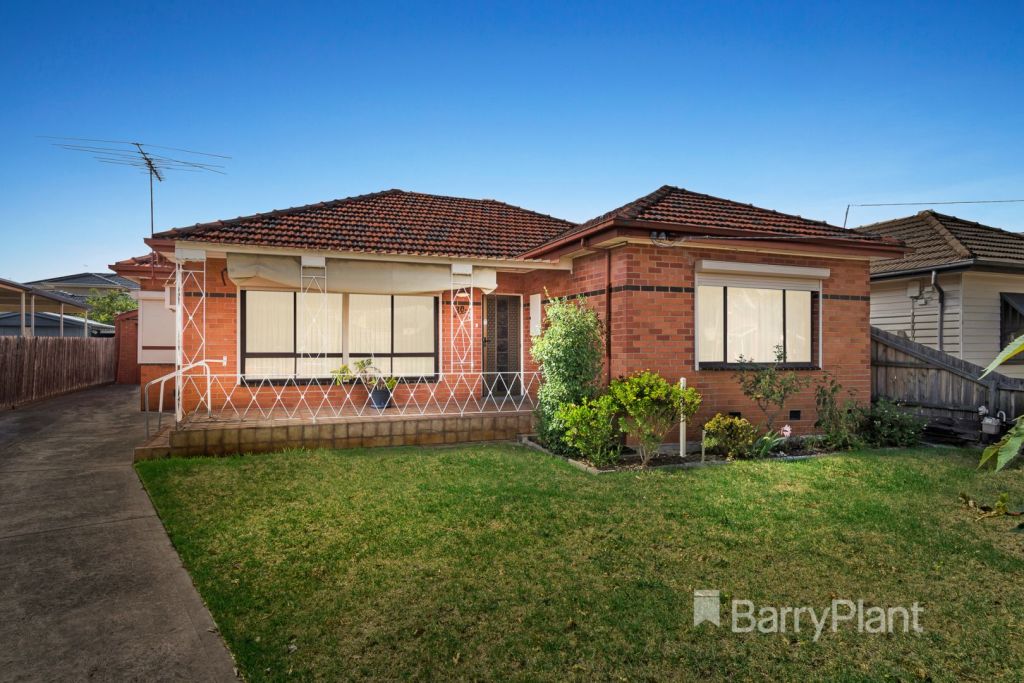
569 354
650 406
767 386
106 307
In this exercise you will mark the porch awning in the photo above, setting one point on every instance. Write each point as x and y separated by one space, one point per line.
262 271
379 277
265 271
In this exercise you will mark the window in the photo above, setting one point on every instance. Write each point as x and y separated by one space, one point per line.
1011 321
753 323
288 334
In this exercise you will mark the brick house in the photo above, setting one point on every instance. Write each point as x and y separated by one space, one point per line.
444 294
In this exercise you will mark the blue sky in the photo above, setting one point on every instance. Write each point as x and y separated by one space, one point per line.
562 108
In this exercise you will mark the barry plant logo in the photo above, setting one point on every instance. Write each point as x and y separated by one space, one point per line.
745 616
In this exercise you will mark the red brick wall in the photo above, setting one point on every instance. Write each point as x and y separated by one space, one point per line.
655 329
649 329
126 334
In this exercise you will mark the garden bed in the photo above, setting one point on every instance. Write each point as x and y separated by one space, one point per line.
630 459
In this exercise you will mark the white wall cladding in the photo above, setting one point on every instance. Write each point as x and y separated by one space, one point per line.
981 317
894 311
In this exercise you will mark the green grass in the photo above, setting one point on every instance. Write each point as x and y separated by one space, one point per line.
498 562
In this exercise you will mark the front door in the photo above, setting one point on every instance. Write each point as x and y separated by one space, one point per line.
502 330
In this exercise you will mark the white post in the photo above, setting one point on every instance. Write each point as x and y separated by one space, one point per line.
682 425
62 320
85 332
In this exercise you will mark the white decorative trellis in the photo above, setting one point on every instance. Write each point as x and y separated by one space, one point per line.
461 347
312 315
190 323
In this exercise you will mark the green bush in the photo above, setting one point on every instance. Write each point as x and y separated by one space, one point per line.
839 422
732 437
568 352
649 406
884 424
592 429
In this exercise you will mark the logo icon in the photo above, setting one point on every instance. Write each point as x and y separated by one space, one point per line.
707 606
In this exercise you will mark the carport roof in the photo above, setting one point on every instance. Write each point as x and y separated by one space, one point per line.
11 293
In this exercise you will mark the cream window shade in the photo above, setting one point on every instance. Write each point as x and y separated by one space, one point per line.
414 324
369 324
264 271
798 327
382 277
319 326
269 322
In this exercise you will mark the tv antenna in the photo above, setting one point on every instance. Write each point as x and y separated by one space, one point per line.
140 155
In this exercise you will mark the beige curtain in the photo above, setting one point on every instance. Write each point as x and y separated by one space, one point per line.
755 324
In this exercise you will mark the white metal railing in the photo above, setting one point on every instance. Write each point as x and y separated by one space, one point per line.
180 372
227 397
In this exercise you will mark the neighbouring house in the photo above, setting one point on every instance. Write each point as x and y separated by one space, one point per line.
80 286
960 291
444 294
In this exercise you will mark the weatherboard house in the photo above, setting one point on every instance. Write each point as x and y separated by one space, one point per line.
442 295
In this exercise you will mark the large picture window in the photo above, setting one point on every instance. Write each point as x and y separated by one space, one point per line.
754 324
308 335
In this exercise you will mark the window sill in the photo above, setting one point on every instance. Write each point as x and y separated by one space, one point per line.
755 366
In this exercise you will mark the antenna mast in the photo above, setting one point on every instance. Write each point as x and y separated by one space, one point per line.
140 156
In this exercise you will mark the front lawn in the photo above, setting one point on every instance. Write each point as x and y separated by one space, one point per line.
497 562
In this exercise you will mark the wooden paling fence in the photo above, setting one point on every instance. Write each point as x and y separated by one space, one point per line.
940 388
33 368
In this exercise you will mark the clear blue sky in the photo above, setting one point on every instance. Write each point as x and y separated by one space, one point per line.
562 108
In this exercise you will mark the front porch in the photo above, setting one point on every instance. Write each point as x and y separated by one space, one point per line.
199 436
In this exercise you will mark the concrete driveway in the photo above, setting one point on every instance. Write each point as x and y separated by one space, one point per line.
90 586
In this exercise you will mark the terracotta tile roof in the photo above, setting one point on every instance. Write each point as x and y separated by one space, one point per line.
939 240
677 206
393 222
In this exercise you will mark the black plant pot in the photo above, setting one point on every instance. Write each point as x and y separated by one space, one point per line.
380 397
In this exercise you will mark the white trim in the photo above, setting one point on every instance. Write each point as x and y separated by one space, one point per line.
218 250
764 269
756 281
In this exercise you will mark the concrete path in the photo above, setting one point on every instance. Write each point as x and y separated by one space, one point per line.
90 586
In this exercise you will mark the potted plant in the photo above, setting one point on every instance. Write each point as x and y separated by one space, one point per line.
382 391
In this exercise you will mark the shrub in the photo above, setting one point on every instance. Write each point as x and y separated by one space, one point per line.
769 388
884 424
837 422
569 354
649 406
765 446
592 429
732 437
